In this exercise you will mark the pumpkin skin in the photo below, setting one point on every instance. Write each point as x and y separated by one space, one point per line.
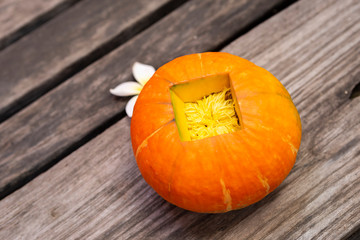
223 172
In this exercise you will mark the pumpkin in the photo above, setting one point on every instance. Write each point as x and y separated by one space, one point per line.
231 166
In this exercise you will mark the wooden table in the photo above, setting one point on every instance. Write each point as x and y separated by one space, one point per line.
67 170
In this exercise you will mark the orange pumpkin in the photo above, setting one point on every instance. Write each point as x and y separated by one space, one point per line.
222 172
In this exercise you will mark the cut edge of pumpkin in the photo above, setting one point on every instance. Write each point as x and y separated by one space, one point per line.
205 107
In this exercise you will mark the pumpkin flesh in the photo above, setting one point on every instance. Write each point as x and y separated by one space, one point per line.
223 172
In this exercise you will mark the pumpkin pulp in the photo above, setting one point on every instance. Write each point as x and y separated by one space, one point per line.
204 107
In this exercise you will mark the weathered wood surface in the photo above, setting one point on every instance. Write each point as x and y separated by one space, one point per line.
20 16
98 192
67 43
64 118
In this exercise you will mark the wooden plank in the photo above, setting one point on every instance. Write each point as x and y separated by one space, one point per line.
98 192
66 44
318 62
19 17
63 119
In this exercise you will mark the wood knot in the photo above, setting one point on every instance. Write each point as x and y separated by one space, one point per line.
54 213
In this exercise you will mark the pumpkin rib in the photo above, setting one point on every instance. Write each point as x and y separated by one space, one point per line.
240 181
261 179
227 198
154 109
260 94
173 168
155 103
267 166
258 184
168 161
257 116
153 116
156 74
256 80
155 90
178 70
144 142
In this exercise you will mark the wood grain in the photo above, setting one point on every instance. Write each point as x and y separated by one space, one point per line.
64 118
66 44
98 193
19 17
